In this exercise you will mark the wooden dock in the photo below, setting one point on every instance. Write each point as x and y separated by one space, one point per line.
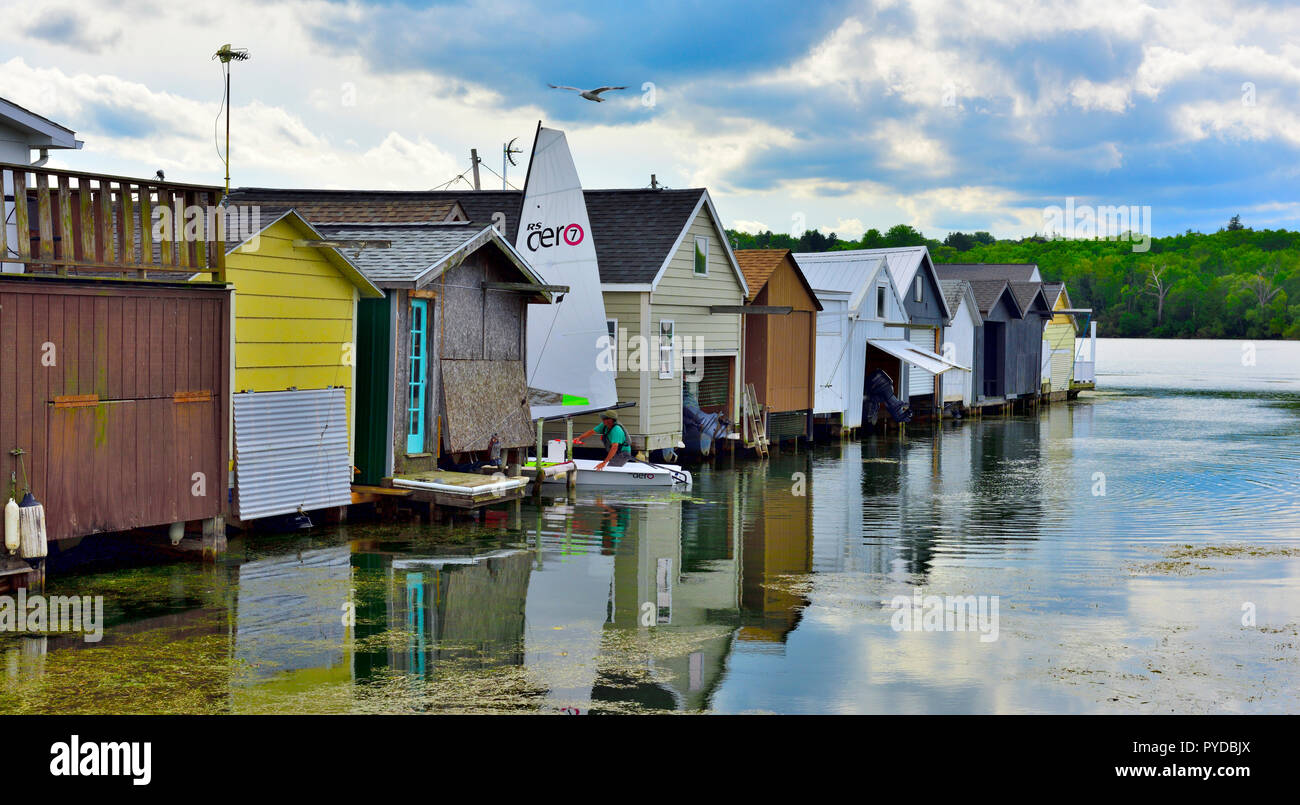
462 490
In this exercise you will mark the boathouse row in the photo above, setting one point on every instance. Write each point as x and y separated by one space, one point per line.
438 365
669 280
1025 342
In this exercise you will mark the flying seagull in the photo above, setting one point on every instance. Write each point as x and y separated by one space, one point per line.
589 94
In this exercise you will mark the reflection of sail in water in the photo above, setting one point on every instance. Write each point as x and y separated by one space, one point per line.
568 603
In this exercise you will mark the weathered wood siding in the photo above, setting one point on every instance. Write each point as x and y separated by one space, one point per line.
468 323
130 452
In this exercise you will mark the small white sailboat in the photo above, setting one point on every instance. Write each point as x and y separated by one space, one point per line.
632 474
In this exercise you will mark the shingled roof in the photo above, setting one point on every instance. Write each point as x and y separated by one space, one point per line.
1011 272
414 250
987 293
1025 293
758 266
634 230
952 292
358 206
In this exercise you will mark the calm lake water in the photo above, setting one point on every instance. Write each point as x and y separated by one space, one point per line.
1142 542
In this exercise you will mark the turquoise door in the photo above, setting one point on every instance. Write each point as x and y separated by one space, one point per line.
418 376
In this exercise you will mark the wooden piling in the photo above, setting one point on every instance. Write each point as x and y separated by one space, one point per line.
537 483
571 477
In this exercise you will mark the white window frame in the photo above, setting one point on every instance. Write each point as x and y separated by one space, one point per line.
671 346
919 293
613 342
695 256
881 301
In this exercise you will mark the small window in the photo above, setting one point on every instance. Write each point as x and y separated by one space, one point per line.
880 301
918 294
611 328
667 344
702 256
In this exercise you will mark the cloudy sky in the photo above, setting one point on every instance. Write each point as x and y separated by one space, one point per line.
847 115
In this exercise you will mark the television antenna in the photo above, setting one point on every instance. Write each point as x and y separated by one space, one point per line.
227 54
508 152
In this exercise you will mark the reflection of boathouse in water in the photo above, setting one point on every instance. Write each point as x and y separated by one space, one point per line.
446 608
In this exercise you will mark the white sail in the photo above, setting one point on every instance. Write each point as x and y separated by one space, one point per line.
566 341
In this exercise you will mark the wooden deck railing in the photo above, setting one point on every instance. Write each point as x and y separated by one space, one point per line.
70 222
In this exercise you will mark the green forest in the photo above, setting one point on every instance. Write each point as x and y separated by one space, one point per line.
1234 283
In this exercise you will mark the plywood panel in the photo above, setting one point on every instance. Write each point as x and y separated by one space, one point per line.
485 397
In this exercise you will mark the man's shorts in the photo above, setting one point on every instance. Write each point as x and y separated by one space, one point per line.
620 458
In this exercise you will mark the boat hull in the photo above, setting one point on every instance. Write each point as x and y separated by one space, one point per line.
634 473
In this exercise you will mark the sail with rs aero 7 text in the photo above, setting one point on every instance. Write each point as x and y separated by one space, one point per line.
566 340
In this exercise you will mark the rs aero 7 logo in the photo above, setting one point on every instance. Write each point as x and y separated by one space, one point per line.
544 237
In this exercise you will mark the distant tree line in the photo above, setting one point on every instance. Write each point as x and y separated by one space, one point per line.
1234 283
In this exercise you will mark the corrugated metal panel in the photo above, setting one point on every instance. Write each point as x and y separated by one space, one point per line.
291 452
841 272
919 380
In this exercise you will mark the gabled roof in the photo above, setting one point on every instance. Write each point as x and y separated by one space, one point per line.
850 272
758 265
1011 272
636 232
987 293
340 261
904 262
1053 292
954 292
357 206
419 254
1028 293
43 132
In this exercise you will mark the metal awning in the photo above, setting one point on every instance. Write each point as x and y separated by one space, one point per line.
917 356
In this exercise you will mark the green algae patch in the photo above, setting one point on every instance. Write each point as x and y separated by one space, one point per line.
152 672
1187 559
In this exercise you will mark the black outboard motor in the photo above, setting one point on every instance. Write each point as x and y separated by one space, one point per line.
880 389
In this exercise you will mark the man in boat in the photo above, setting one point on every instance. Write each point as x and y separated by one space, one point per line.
616 440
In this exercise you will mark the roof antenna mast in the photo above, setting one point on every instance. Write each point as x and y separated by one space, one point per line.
227 54
508 152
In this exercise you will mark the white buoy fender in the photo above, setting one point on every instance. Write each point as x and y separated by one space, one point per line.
11 525
31 528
